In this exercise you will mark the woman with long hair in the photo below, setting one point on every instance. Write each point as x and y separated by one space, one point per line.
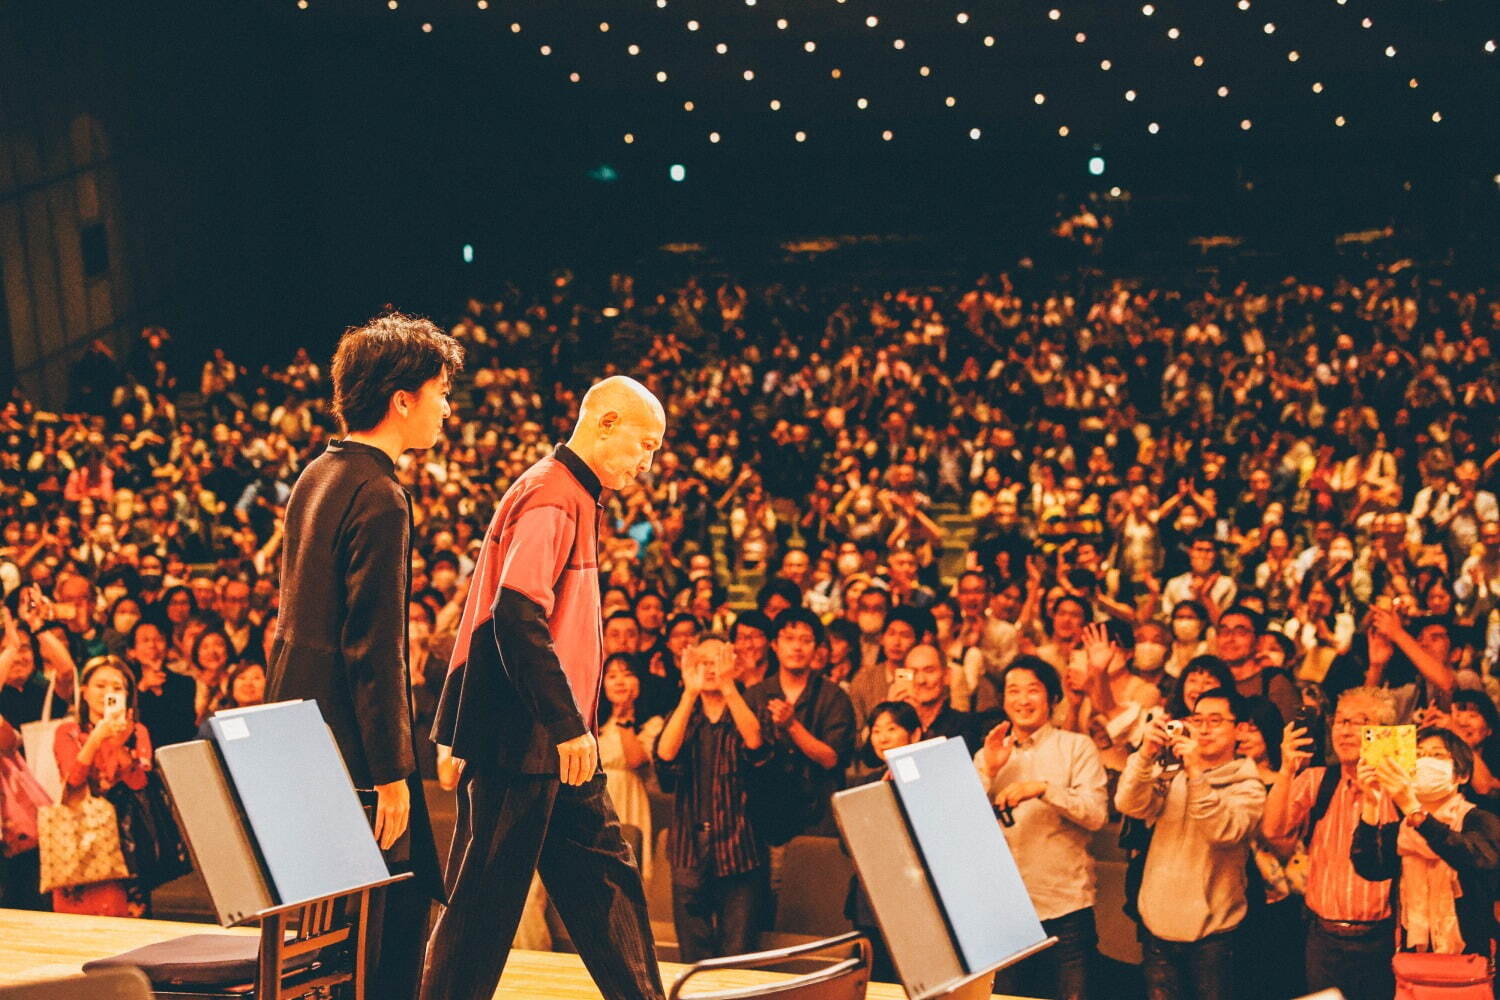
625 745
104 746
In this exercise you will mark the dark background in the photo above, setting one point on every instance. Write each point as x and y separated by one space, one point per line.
306 167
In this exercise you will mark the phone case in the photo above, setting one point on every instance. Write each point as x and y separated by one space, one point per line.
1396 742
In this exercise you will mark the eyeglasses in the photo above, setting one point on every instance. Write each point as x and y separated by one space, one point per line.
1211 721
1358 722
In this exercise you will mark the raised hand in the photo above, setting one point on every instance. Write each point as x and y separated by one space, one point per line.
1296 747
1098 647
998 745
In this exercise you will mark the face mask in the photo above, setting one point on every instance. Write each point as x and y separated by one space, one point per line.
848 564
151 581
1149 655
1187 629
1434 778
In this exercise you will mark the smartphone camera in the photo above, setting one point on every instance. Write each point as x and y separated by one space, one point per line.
114 704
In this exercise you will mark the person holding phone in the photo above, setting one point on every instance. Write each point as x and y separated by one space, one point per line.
104 746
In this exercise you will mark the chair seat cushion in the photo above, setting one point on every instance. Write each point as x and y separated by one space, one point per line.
195 960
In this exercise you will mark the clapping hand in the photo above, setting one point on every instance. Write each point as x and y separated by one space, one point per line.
782 712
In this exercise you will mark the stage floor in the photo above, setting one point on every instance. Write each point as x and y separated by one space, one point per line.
51 945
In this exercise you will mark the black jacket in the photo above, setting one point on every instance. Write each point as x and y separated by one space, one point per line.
341 635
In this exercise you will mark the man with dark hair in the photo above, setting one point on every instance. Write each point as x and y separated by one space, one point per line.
814 725
1192 896
520 707
346 582
1235 643
776 596
904 627
165 700
1203 582
751 638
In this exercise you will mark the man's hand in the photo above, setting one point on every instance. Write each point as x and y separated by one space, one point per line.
997 747
1014 794
1189 752
392 812
1153 739
1098 647
577 758
782 712
1296 748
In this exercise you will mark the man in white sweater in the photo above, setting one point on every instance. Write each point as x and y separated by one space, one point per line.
1192 896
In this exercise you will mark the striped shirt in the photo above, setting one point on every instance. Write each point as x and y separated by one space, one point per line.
711 829
1334 891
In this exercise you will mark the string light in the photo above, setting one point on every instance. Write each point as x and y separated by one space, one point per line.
1243 5
989 41
962 18
836 73
661 76
634 50
951 102
749 75
809 46
1153 128
1223 91
1129 95
1245 124
871 21
1293 56
721 48
800 137
861 104
887 135
1198 61
1105 65
629 138
574 77
974 134
545 50
301 4
713 137
899 43
1489 46
1080 38
925 71
515 26
1062 130
1412 83
1367 23
1390 51
688 105
1317 88
1173 34
1148 10
1054 14
1040 99
775 104
1270 28
1339 121
781 24
482 4
661 4
392 4
1437 116
603 25
692 26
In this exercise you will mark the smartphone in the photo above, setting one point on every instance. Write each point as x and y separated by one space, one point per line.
114 704
904 675
1393 742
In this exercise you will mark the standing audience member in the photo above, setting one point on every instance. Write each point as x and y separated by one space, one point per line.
1192 897
1050 788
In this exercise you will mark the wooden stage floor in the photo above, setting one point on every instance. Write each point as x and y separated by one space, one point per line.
50 945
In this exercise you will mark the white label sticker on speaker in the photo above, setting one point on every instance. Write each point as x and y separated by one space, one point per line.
234 729
906 768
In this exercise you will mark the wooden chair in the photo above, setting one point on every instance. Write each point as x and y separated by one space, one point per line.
114 984
843 979
316 948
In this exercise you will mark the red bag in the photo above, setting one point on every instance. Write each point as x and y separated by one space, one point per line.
21 795
1425 976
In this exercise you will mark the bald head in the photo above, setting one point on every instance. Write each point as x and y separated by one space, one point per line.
620 428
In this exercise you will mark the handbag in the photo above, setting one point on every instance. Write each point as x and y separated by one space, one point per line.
149 837
39 740
20 798
80 842
1429 976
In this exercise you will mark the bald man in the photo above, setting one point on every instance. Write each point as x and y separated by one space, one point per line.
520 707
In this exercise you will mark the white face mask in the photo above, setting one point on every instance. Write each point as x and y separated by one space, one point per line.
1187 629
1434 778
1149 655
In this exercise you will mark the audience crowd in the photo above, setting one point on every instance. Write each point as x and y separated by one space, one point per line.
1158 555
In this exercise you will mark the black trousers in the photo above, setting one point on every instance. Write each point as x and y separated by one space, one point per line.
510 825
398 934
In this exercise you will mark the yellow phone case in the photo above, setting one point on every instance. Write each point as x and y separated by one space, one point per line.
1395 742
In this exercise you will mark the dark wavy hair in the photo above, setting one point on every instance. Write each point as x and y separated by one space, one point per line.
389 354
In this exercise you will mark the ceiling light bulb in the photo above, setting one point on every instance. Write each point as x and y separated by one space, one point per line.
1339 121
899 43
1223 91
1148 10
1293 56
1153 128
749 75
1062 130
886 135
1245 124
1040 99
713 137
1080 38
951 102
809 46
692 25
603 25
1054 14
775 104
721 48
1317 88
1105 64
963 18
1129 95
989 41
861 104
974 133
871 21
634 50
800 136
1197 60
1173 34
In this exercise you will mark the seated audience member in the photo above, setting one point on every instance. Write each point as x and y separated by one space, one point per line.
1192 895
1050 788
1443 851
813 728
892 724
706 756
1350 927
